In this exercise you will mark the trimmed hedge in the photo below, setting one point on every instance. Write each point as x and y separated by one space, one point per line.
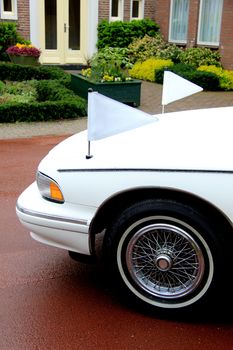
55 100
41 111
121 34
53 90
16 72
207 80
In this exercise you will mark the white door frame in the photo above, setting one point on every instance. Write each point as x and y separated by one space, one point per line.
89 22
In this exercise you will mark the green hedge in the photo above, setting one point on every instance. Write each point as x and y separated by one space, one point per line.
207 80
55 101
41 111
16 72
53 90
121 34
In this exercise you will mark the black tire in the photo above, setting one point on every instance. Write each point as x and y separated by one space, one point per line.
166 255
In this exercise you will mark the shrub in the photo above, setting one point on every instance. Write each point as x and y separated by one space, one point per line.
207 80
15 72
8 37
199 56
53 90
121 34
179 69
63 103
147 47
119 55
2 86
225 76
41 111
146 70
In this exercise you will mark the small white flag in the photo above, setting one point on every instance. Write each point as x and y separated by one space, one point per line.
176 87
107 117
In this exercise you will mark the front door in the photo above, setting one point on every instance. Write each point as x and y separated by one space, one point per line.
63 29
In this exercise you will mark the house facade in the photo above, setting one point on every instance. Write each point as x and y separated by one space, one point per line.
66 30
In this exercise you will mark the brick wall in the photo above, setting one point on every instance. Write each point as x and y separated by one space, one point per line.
104 9
226 38
23 18
162 13
149 9
126 10
193 22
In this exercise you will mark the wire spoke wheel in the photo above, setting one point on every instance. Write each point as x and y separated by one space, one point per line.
166 255
165 261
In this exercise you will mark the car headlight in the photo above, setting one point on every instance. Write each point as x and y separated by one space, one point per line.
48 188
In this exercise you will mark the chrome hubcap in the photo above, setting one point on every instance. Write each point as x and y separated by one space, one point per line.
163 262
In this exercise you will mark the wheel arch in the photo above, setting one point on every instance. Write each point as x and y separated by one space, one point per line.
112 207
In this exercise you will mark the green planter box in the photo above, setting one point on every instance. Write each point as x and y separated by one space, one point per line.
25 60
128 92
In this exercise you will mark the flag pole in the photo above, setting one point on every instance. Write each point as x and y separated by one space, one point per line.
89 156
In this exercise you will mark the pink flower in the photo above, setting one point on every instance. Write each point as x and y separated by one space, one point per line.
23 50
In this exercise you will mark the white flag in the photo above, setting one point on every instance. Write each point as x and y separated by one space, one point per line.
107 117
176 87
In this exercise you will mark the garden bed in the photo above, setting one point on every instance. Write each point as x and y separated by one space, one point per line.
46 97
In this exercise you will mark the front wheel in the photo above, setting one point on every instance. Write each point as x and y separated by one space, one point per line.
165 253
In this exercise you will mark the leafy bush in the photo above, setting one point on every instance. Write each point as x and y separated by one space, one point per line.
121 34
198 56
225 76
143 48
109 64
119 55
8 37
146 70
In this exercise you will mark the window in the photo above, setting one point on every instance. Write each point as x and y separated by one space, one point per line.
178 28
137 7
210 22
116 10
50 24
8 9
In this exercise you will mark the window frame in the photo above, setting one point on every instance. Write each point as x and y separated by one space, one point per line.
12 15
177 41
141 4
207 43
120 11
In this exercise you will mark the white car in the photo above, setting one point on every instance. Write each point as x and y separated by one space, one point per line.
162 196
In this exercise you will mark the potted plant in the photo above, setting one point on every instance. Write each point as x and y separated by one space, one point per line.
24 54
109 76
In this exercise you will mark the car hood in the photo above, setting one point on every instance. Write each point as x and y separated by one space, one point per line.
188 140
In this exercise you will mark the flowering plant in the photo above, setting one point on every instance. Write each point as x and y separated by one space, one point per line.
23 50
102 73
108 65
